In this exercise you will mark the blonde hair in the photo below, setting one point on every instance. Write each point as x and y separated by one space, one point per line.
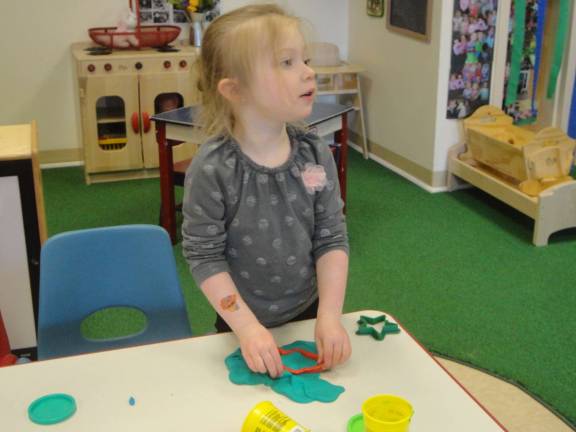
231 47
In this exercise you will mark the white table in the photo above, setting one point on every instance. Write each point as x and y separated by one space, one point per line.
183 386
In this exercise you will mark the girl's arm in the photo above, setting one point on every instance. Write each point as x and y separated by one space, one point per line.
331 338
204 240
332 274
257 344
330 251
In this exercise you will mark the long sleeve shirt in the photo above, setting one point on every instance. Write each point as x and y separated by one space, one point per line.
266 227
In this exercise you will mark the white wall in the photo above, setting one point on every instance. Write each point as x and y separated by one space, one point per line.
328 18
400 84
448 131
36 80
36 75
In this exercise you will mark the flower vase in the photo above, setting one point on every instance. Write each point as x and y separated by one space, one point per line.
197 28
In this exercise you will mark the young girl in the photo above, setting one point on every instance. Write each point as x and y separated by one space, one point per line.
263 231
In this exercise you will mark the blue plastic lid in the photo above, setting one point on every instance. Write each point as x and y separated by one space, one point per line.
52 409
356 423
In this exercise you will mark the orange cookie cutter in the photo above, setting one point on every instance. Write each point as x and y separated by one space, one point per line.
308 354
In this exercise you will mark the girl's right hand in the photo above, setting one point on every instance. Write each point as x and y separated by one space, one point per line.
259 350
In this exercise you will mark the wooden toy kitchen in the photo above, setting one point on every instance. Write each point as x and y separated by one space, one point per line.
119 90
125 76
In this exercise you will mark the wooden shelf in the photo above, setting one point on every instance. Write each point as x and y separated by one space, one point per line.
344 68
553 210
103 120
118 140
337 92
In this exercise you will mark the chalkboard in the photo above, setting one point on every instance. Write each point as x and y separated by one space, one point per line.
410 17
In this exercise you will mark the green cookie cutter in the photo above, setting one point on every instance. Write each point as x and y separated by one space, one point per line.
365 324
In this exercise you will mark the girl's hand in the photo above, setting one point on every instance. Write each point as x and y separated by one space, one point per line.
332 341
259 350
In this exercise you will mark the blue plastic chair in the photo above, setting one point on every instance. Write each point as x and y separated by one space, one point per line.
82 272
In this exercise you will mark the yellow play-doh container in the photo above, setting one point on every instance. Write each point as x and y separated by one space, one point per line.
386 413
265 417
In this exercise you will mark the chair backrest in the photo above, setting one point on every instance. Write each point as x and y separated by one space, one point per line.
82 272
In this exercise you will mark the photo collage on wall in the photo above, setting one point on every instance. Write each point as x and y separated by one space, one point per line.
521 109
473 36
175 11
156 12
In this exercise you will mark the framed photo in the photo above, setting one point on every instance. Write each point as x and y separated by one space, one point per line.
375 8
411 18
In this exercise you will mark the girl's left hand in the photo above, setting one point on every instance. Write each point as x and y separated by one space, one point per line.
332 341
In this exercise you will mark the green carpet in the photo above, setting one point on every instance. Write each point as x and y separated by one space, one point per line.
457 269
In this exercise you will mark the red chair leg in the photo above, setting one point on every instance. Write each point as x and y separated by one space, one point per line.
167 206
342 138
6 357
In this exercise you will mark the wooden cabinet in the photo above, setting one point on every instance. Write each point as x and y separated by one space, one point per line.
22 231
118 93
110 143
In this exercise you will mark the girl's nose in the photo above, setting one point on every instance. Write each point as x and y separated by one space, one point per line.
308 72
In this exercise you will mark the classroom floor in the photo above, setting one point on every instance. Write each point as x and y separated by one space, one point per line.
513 408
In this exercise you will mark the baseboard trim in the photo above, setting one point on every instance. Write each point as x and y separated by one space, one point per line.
430 181
60 158
61 164
401 172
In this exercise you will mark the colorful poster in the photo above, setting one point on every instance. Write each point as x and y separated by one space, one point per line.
473 35
572 120
521 108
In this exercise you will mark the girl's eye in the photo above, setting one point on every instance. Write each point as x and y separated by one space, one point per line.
307 62
287 62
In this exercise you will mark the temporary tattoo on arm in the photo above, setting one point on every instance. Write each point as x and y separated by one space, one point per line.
229 303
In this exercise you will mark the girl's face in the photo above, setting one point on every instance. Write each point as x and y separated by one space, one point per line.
284 86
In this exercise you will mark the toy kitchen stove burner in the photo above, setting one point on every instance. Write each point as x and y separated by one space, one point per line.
167 49
99 50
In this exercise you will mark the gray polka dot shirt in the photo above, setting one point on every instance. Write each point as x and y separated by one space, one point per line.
265 226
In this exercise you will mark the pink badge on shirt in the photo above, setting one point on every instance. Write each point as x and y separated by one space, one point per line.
314 178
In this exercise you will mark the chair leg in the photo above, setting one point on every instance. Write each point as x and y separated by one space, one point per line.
167 219
6 356
341 137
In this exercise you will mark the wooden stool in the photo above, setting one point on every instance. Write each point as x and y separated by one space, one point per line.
343 81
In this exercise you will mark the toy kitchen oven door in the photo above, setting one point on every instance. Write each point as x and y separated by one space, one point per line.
119 91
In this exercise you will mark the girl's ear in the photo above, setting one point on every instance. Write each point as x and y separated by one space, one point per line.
229 88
